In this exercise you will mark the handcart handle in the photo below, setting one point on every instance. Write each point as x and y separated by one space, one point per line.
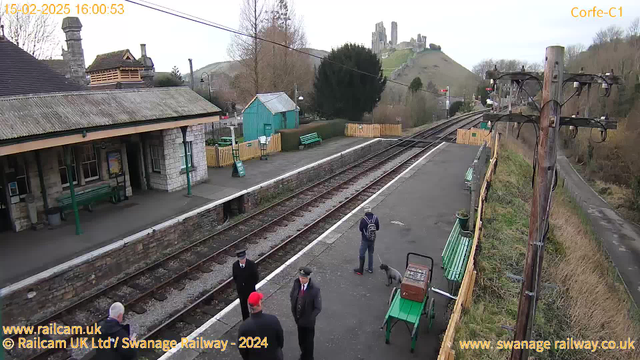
424 256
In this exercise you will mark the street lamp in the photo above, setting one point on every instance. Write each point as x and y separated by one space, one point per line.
208 83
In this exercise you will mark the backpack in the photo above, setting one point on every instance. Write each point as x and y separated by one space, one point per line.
371 228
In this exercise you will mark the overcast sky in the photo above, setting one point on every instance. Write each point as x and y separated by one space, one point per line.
468 31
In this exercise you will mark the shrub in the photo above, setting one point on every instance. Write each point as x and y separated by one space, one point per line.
325 129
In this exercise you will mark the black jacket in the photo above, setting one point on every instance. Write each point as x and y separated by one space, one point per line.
112 329
364 224
261 325
246 279
311 303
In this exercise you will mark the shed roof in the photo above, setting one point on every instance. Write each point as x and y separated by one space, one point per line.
114 60
31 115
276 102
21 73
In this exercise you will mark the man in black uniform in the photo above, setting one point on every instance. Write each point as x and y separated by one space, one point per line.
258 327
245 275
306 304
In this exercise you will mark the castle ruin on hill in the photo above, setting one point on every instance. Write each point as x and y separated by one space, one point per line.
380 43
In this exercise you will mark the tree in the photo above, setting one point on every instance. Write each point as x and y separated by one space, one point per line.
33 33
416 85
431 87
342 92
610 34
283 69
175 73
246 50
481 91
634 28
571 54
455 107
482 67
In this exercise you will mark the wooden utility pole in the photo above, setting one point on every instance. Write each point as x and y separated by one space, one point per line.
541 201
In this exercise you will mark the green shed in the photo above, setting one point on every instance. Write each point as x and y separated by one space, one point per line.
267 113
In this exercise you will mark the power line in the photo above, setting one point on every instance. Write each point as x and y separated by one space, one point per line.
212 24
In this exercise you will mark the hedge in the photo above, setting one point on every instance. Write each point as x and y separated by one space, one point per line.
325 129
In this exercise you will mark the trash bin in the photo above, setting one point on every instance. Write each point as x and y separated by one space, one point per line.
53 216
30 199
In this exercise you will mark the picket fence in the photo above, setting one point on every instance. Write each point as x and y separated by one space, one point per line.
466 288
372 130
223 156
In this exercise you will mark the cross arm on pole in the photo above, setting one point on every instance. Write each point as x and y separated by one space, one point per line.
596 123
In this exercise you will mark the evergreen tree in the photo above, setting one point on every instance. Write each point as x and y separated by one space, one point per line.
416 84
175 74
342 92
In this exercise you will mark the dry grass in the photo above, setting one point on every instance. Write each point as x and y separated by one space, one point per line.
587 302
598 303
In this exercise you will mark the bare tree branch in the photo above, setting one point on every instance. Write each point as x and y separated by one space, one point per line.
34 33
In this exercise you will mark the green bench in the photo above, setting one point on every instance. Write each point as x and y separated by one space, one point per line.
310 139
225 141
456 255
87 198
468 177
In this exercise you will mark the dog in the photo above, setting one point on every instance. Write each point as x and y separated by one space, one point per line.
392 274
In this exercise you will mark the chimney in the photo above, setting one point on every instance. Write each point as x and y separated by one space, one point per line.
143 50
74 55
149 70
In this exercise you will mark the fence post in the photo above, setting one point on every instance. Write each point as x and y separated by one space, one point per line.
217 151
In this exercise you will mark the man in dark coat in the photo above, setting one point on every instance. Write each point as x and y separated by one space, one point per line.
245 275
260 326
367 245
111 329
306 304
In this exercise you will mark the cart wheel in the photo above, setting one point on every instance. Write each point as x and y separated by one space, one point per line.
431 311
393 293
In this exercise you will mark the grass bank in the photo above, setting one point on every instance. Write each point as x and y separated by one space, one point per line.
581 296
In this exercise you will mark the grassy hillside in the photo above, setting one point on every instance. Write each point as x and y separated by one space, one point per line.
395 60
434 66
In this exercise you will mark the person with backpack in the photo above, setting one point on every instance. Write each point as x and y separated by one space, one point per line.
369 224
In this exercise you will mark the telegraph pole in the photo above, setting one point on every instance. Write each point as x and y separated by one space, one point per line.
541 201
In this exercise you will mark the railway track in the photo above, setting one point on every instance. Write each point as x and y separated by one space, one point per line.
177 270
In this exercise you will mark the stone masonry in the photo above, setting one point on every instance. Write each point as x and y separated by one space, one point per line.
79 282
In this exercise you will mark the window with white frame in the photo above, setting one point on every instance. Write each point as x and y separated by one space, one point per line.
189 155
156 157
89 163
64 177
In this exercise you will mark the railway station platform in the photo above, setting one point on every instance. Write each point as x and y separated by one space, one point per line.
28 252
416 212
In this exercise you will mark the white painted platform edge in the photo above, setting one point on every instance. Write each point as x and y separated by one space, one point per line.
224 311
137 236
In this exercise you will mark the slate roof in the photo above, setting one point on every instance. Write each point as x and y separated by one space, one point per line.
21 73
275 102
58 65
31 115
113 60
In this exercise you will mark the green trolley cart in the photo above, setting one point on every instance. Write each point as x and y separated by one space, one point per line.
409 311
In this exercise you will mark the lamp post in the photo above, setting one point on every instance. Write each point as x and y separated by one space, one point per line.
208 83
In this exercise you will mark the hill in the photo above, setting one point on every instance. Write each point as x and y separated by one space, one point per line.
229 69
430 65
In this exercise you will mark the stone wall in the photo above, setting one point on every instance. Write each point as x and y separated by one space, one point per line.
52 180
173 147
103 270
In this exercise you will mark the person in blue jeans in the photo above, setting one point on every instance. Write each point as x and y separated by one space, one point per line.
369 225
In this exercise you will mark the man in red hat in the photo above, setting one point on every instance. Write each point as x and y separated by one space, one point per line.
262 332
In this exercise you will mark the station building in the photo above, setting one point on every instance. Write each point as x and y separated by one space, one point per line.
57 135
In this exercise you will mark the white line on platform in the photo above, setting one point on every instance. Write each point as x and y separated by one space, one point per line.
224 311
139 235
